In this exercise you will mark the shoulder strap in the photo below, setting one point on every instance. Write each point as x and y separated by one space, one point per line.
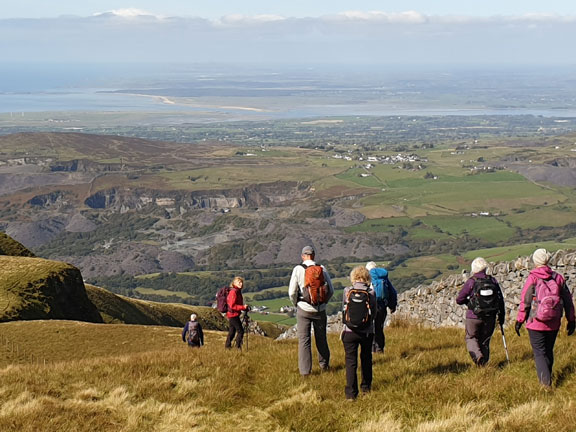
303 266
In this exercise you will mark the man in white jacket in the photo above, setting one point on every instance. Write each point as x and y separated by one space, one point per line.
309 315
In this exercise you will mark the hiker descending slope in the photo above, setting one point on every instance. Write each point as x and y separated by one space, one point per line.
192 333
485 301
545 296
359 305
235 305
387 298
309 290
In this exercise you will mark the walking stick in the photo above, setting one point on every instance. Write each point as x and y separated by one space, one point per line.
504 342
246 323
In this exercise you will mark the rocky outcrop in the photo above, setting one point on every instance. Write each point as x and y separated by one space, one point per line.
54 200
132 259
83 165
268 194
434 305
36 233
35 289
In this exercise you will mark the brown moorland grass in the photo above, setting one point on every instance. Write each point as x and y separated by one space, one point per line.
424 382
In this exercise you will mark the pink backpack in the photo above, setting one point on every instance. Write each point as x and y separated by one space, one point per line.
549 305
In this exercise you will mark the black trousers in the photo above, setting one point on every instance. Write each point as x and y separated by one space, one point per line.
235 328
379 320
351 343
543 348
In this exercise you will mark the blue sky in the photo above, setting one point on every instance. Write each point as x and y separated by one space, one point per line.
288 8
472 33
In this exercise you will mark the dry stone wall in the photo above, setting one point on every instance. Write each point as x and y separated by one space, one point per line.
435 305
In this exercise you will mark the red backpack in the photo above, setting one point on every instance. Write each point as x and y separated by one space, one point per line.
222 299
315 290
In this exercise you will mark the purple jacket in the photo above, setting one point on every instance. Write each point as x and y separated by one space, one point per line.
528 293
466 292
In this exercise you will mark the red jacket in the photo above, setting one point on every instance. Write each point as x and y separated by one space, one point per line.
235 303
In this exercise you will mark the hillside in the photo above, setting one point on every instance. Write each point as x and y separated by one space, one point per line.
39 289
34 288
97 378
116 309
9 246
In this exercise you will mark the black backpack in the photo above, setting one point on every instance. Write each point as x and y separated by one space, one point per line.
193 335
357 313
484 300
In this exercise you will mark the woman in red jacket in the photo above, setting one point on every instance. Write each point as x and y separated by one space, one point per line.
236 305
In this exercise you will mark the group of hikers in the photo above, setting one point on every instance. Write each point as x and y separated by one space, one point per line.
545 298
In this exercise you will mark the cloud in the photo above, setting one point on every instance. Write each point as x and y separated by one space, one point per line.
129 13
351 36
410 17
248 20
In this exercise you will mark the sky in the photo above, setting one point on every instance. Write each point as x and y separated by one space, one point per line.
504 32
287 8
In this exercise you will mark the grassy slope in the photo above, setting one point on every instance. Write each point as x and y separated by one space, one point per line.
123 310
144 379
9 246
35 288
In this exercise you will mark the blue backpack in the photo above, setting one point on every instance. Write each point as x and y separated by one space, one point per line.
381 289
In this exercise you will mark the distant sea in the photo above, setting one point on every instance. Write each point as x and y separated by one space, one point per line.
27 88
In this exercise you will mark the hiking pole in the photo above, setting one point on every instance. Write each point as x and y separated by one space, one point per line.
246 324
504 342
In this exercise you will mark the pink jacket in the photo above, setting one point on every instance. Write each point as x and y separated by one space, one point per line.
528 293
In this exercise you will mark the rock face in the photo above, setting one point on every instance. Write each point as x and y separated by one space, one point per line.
268 194
34 289
435 305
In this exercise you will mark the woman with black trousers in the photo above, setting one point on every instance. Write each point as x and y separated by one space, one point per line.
236 305
544 297
357 334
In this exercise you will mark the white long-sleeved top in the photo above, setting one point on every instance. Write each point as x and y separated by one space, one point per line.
297 282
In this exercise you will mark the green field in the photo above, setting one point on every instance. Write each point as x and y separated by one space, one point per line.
163 292
509 253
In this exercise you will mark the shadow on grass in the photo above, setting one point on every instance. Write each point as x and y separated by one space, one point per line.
417 349
454 367
564 374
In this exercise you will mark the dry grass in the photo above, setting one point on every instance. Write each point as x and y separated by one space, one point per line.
153 382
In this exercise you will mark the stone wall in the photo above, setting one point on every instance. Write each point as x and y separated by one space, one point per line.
435 305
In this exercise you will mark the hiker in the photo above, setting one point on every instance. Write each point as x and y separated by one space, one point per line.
359 302
485 301
387 298
235 303
192 332
544 297
310 309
